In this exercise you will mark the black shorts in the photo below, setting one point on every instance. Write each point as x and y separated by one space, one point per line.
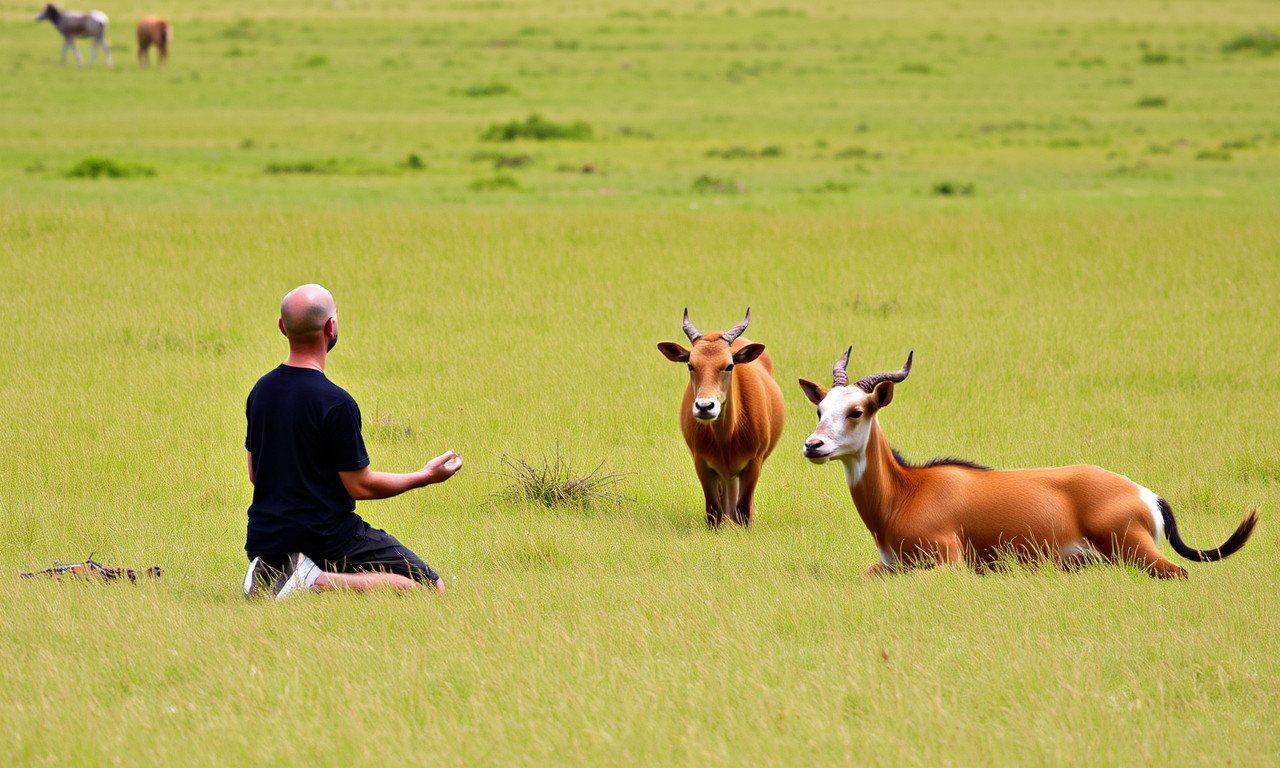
371 550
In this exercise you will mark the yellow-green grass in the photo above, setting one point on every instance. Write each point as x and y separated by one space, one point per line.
1102 297
1035 105
630 633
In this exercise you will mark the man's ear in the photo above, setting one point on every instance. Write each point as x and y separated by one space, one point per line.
748 353
674 352
814 393
280 325
882 394
331 326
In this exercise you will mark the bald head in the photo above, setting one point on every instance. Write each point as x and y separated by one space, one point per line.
304 312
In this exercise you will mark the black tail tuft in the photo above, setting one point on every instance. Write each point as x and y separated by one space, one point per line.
1233 543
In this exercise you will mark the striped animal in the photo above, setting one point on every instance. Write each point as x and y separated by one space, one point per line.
731 416
952 511
153 30
73 24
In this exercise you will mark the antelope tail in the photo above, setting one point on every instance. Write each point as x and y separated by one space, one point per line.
1231 545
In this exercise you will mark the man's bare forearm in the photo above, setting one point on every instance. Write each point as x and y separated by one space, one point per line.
366 484
384 485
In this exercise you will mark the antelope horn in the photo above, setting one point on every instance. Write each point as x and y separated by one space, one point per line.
737 330
840 375
869 383
693 333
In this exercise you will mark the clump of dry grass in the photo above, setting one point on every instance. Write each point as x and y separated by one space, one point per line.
554 482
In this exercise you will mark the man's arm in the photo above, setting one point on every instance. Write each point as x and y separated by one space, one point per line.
365 484
251 482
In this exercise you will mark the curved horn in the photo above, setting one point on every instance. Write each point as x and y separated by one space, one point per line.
869 383
693 333
840 374
737 330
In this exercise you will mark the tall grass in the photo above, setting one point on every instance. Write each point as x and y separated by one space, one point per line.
636 636
1092 301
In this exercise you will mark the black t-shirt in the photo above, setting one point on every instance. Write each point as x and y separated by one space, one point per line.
303 431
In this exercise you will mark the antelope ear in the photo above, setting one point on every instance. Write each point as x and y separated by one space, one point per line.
814 393
882 394
673 352
748 353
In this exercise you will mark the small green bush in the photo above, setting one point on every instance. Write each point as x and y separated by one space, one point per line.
537 128
483 90
1262 41
1150 102
413 162
496 183
954 188
832 185
94 167
1213 154
302 167
715 185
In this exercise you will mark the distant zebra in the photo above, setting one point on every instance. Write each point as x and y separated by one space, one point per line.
153 30
73 24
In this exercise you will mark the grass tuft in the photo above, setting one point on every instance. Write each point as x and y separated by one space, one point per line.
537 128
303 167
954 189
1261 41
1151 102
485 90
496 183
413 162
96 167
554 483
706 184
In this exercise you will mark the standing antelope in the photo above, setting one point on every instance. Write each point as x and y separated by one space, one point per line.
73 24
953 511
731 416
153 30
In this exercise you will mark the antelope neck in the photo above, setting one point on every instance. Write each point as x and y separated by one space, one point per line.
875 485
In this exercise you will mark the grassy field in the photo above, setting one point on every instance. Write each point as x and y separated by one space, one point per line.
1086 273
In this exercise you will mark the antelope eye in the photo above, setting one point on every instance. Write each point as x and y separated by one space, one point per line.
855 413
689 366
728 367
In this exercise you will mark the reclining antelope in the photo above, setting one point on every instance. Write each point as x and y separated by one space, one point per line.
731 416
952 511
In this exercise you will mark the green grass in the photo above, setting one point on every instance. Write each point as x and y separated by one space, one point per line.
1088 291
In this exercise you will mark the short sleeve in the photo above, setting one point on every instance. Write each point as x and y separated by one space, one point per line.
248 429
342 433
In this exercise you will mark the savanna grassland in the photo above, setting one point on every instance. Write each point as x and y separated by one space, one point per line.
1071 212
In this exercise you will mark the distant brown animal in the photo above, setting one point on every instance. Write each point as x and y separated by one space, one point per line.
153 30
731 416
954 511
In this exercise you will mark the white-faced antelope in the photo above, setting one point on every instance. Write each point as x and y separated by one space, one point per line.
952 511
73 24
731 416
153 30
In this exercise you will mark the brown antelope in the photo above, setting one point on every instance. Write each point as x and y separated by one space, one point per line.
731 416
153 30
953 511
73 24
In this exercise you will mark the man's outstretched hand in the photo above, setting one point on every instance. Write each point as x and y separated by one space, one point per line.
442 467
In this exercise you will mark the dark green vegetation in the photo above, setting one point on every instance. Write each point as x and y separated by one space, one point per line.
1083 279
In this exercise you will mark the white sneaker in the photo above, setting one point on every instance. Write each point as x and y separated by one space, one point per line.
257 579
300 574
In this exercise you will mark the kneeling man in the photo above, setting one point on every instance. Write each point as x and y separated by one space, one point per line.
308 465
